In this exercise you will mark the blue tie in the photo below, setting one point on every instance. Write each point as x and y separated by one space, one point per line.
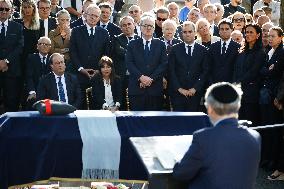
61 91
147 50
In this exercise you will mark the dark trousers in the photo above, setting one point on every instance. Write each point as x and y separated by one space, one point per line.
11 90
145 103
185 104
250 112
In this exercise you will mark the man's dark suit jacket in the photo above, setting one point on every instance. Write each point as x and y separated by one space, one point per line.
51 25
86 51
11 48
98 91
47 89
185 73
112 29
224 156
119 49
76 23
35 70
174 42
154 68
222 66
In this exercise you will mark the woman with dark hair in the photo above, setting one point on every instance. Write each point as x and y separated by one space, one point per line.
247 73
106 87
271 103
271 73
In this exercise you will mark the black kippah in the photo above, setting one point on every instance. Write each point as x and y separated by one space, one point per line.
224 93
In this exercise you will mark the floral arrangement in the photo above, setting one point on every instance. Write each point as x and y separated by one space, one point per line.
106 185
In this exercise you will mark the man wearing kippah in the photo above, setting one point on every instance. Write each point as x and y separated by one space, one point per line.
226 155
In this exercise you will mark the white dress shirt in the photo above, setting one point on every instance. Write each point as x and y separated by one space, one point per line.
108 94
186 48
227 44
5 25
67 3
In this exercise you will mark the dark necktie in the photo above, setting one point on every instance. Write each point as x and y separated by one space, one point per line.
129 39
43 65
169 46
61 91
92 32
189 50
224 48
2 34
103 26
147 49
135 30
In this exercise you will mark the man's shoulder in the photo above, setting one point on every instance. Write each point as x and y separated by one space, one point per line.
15 24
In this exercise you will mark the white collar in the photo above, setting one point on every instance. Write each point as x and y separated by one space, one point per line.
5 23
56 76
41 56
144 41
101 23
192 44
227 42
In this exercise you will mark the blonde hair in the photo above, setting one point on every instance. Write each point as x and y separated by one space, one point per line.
35 24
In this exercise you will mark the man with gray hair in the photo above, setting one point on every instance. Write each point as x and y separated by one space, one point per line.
146 61
226 155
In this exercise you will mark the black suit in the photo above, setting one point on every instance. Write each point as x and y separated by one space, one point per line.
119 49
86 51
11 47
222 65
51 25
98 91
35 70
47 89
76 23
187 72
112 29
154 66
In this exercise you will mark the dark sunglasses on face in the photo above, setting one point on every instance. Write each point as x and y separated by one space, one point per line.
161 19
4 9
238 20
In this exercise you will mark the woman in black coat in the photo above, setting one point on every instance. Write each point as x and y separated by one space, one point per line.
106 87
247 73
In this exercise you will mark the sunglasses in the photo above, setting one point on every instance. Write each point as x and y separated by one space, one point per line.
238 20
4 9
135 11
161 19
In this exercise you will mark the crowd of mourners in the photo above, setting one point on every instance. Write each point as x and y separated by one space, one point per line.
154 60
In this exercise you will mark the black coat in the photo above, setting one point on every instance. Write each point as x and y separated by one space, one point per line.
35 70
222 66
247 73
98 91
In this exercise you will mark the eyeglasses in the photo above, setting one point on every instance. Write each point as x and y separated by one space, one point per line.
135 11
238 20
148 26
44 44
127 24
4 9
161 19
